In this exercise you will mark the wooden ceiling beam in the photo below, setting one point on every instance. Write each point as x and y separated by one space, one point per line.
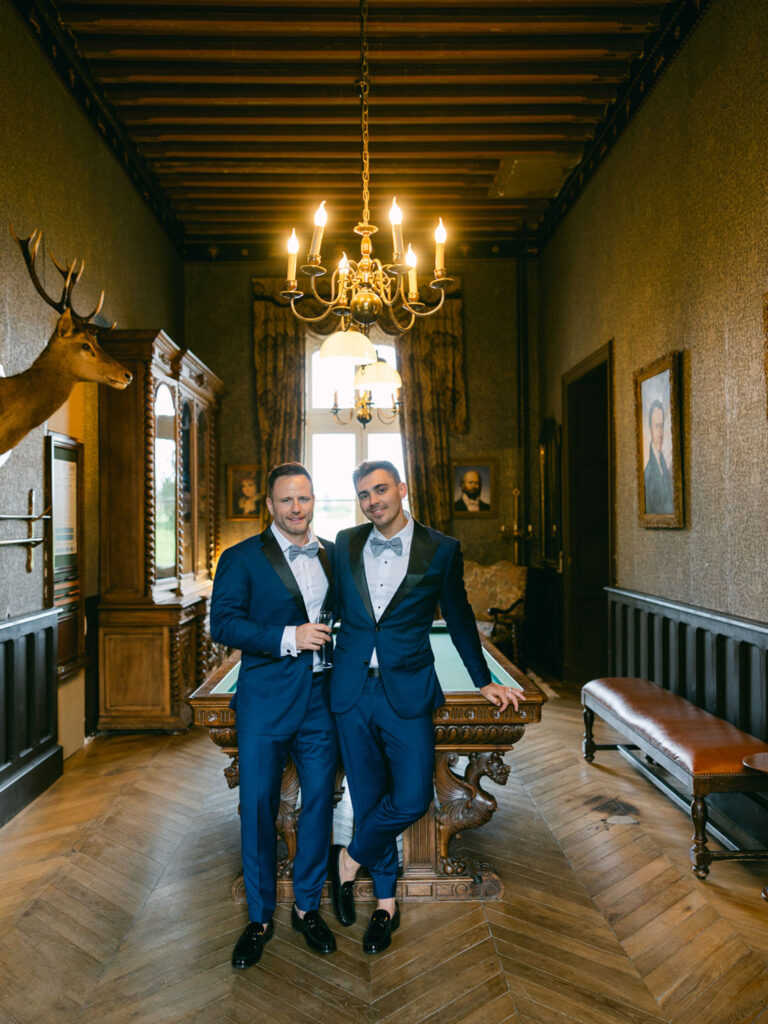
345 207
495 7
226 150
416 135
391 21
326 96
464 114
250 170
324 73
488 48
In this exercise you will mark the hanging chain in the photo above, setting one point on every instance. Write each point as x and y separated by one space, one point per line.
364 89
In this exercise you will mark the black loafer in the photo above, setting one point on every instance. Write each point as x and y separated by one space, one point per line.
378 934
250 945
342 893
314 929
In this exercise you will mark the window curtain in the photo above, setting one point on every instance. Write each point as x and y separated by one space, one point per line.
431 363
278 355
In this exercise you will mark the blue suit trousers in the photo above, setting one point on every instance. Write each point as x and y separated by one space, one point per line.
314 750
390 764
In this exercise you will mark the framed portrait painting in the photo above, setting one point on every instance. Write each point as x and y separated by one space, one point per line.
474 488
658 442
244 493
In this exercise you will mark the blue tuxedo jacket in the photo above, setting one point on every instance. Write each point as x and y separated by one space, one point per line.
255 596
401 636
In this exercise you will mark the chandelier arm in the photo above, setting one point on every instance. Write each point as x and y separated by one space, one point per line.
397 323
339 420
328 303
308 319
425 312
388 417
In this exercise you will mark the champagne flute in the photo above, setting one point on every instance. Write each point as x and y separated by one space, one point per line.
326 651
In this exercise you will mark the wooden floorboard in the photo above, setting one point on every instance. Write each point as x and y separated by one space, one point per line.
115 906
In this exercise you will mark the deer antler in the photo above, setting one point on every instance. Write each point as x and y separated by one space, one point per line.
71 274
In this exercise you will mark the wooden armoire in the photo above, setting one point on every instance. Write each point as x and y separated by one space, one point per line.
157 471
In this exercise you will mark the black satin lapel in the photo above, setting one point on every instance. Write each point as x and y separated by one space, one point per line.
276 559
325 561
422 551
357 564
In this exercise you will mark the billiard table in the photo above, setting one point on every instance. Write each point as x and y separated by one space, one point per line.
467 725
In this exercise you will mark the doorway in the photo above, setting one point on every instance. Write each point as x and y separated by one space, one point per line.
588 514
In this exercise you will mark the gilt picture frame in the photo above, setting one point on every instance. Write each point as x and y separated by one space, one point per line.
659 444
244 492
474 490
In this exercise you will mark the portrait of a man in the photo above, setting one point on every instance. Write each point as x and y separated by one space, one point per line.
473 487
659 469
658 482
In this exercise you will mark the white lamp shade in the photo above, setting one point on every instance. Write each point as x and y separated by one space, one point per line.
350 347
381 379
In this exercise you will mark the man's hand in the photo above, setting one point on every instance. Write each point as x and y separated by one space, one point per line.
312 635
501 696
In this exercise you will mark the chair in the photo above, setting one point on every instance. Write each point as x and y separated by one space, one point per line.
497 595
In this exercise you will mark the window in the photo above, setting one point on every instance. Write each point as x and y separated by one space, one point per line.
334 449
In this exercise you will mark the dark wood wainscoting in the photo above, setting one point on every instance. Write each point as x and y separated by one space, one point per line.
30 757
719 662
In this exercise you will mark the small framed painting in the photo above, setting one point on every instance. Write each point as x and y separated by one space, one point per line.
244 493
658 442
474 488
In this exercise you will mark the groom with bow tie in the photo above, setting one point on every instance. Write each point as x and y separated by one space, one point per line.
390 577
267 595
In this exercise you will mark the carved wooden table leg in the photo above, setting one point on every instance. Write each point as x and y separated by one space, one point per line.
463 804
288 818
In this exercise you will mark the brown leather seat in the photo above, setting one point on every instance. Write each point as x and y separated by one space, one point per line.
699 742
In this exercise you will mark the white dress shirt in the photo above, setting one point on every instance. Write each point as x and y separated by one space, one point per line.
385 572
313 584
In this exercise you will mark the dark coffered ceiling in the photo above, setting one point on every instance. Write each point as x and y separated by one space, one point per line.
236 118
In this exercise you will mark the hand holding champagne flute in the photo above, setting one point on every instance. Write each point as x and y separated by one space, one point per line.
326 651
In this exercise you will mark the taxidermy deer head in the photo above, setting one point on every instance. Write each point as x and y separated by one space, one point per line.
72 354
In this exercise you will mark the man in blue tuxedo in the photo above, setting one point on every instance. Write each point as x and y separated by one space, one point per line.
267 595
390 577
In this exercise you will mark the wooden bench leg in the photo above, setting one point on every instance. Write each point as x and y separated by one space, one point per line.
589 747
701 857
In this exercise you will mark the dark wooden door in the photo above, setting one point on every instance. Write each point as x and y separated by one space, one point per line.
588 525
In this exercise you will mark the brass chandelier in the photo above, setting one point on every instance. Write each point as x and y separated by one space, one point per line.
361 290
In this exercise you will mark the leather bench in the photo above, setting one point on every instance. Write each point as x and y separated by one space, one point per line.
701 751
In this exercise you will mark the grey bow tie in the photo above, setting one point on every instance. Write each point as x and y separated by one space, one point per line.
310 550
395 545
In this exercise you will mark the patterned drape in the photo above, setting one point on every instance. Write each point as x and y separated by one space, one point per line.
431 363
278 352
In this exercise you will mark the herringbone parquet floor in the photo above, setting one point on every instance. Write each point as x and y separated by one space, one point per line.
114 906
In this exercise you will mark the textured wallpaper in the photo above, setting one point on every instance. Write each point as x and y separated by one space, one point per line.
57 173
667 249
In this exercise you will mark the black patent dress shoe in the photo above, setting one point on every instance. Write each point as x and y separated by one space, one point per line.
378 934
342 893
314 929
250 945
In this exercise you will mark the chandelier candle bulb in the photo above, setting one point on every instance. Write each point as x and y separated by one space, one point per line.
321 218
343 266
293 248
440 237
410 259
396 220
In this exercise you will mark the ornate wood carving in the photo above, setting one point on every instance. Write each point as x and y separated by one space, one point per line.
462 801
288 818
471 726
150 574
